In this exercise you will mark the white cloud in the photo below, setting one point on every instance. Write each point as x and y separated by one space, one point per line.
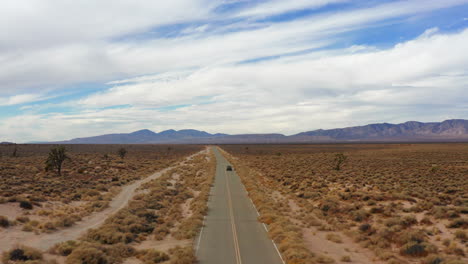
81 49
286 95
46 23
56 43
280 6
407 64
20 99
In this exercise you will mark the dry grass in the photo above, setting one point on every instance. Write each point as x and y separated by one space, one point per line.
88 183
21 254
395 200
155 213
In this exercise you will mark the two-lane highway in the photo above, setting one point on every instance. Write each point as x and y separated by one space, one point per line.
232 234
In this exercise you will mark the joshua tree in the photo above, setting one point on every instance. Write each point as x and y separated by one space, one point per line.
168 150
56 158
15 152
340 158
122 152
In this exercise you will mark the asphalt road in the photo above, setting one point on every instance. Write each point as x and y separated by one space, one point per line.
232 234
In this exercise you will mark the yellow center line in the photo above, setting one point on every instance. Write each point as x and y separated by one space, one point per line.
233 222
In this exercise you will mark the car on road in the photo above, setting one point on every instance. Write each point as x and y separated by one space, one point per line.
229 168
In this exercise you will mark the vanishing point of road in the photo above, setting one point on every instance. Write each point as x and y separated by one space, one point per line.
232 233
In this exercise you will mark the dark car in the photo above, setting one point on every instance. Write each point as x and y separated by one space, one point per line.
229 168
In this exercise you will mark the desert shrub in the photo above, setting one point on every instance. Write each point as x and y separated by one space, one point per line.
346 259
109 235
453 248
409 220
22 219
365 227
376 210
426 221
160 232
64 248
66 221
385 255
415 249
27 227
324 259
26 205
334 238
4 222
359 215
408 236
433 259
152 256
88 255
182 255
461 234
405 221
21 253
188 228
47 226
330 205
458 223
119 251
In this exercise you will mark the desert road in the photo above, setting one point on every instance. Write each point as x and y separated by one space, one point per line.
232 233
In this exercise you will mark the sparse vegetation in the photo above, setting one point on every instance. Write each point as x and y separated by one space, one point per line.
152 256
385 198
88 254
4 222
64 248
89 180
21 254
346 259
334 238
26 205
173 204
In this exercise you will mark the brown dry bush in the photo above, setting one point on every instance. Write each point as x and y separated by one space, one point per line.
4 222
99 254
92 176
89 255
157 211
334 238
383 185
152 256
64 248
21 254
182 255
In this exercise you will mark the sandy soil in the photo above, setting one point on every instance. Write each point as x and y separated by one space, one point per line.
13 236
317 242
186 212
162 245
11 210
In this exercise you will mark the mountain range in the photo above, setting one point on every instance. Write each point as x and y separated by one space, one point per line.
448 130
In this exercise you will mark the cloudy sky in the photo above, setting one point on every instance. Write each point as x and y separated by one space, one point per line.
80 68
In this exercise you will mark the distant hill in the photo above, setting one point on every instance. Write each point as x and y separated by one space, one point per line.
412 130
6 143
145 136
449 130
